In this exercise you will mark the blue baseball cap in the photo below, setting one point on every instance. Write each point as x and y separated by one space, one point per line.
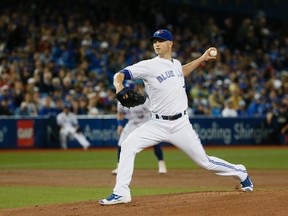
162 34
68 105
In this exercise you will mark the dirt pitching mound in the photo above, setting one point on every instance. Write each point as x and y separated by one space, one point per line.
270 196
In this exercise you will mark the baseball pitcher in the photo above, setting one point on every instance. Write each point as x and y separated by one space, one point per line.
165 85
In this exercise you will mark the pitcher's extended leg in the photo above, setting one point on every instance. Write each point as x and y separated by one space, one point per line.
187 140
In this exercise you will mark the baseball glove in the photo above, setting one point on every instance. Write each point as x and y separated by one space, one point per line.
130 98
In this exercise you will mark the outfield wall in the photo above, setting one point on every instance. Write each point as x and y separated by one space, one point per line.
42 132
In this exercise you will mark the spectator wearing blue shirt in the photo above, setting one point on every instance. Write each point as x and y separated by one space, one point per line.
242 111
48 108
257 107
4 107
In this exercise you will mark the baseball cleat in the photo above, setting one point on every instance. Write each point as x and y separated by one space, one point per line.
247 185
162 167
114 199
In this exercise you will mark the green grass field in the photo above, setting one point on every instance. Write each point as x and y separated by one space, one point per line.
16 196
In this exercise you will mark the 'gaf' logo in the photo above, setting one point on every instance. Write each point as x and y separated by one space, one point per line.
25 133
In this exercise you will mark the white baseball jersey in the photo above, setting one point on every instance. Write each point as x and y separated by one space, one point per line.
227 112
136 116
67 120
164 84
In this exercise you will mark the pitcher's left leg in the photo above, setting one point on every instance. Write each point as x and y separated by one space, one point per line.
142 137
145 136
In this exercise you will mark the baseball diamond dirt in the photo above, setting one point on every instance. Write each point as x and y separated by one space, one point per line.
270 196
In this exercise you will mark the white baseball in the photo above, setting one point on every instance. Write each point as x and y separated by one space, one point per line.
213 53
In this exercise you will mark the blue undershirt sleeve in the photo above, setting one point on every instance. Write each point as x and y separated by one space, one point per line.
127 74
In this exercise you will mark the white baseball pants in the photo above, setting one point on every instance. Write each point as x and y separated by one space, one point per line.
71 131
129 127
181 134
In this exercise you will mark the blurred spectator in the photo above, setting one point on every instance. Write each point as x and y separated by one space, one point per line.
195 90
216 102
31 85
235 98
278 120
18 93
242 110
201 99
48 108
229 110
5 92
76 51
57 92
46 85
5 80
257 107
58 104
67 85
75 106
27 107
109 103
37 99
83 106
4 107
200 109
93 108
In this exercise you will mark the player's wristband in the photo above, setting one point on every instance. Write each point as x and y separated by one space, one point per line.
121 123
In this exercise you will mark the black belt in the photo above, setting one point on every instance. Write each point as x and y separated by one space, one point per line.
170 118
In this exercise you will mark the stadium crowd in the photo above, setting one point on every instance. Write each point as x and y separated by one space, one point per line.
59 52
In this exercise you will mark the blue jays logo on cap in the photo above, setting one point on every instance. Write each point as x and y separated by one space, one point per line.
68 105
162 34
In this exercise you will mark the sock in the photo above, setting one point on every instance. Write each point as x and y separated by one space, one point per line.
158 152
118 153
